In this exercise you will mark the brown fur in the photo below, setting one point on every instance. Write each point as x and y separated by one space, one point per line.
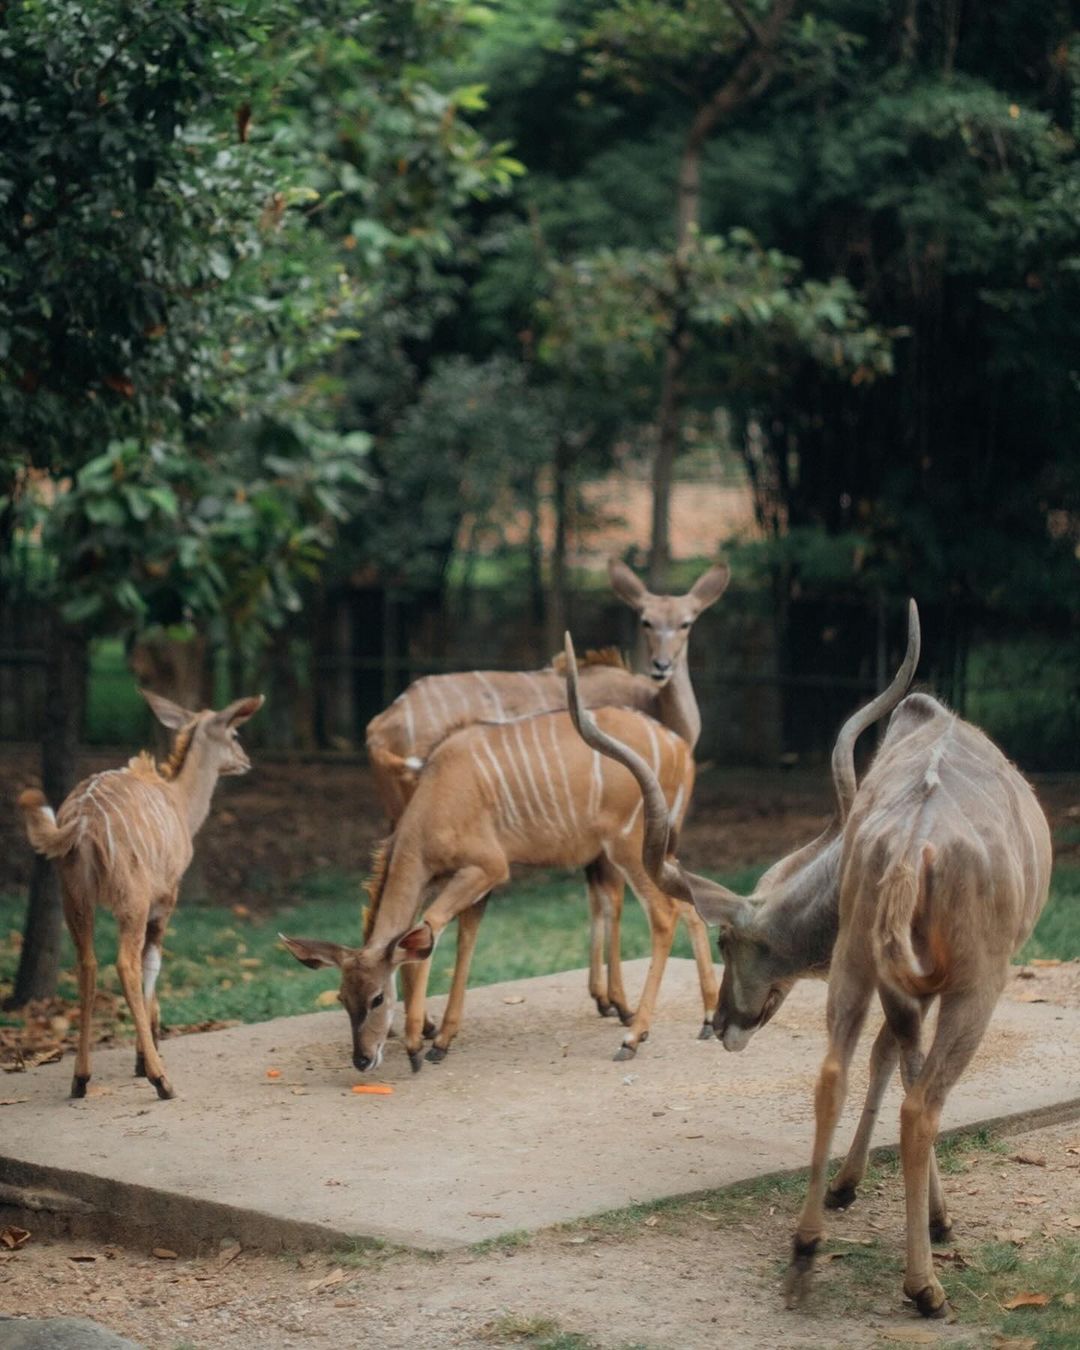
122 839
375 885
595 656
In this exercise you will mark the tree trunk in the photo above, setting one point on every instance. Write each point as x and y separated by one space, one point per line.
65 692
667 448
557 616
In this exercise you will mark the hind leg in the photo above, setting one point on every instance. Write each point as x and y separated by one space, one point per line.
151 968
80 921
710 990
129 967
844 1185
606 890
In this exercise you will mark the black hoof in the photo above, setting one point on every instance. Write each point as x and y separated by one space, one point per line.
429 1029
925 1301
706 1033
841 1197
164 1088
78 1085
437 1054
416 1060
625 1052
626 1015
940 1230
606 1009
140 1066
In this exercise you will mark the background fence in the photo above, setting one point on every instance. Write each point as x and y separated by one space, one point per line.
768 695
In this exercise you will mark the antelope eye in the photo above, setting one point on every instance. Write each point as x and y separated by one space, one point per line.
645 623
685 623
376 1002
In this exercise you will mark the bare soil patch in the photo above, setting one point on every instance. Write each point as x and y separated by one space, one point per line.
699 1274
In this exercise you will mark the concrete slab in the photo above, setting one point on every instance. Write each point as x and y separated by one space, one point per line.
528 1122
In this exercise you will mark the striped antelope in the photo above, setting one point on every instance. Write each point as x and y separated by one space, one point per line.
931 878
530 792
401 739
122 839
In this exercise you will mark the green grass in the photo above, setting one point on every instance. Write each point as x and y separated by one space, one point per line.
219 966
539 1333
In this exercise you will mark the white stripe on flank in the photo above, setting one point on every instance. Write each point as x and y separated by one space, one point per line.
423 693
542 757
439 696
534 787
506 796
633 817
540 698
493 692
410 723
654 744
596 785
521 796
571 814
121 815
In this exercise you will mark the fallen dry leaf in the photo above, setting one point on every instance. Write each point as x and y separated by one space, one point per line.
13 1101
241 911
1030 996
164 1254
14 1237
652 1221
1031 1159
954 1258
1069 1300
910 1335
514 998
372 1089
484 1214
228 1251
1014 1343
327 998
1026 1301
1029 1200
330 1281
827 1257
82 1256
298 1091
1017 1236
1045 961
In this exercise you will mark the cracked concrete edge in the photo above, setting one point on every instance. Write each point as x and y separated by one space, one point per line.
55 1202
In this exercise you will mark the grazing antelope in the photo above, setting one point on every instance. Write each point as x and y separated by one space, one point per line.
527 791
931 878
122 839
401 739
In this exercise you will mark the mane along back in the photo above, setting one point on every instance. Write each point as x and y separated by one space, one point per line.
170 769
595 656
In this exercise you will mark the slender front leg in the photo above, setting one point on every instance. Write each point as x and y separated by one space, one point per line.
80 922
129 967
710 990
462 890
844 1186
849 995
468 929
662 919
598 923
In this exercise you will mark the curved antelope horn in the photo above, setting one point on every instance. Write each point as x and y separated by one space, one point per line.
668 876
843 755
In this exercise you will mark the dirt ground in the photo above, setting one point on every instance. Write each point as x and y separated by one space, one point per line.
695 1275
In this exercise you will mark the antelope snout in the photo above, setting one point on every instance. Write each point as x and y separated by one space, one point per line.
363 1062
661 670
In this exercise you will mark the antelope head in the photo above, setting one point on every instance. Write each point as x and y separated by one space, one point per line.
213 735
666 620
786 928
367 983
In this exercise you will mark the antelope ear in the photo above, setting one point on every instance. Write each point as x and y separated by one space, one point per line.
240 711
168 713
415 945
316 954
711 585
718 907
625 585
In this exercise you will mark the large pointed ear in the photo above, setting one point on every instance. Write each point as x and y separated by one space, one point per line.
625 585
168 713
415 945
240 711
717 906
711 586
316 954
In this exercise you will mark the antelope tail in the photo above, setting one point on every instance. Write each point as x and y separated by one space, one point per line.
903 895
46 837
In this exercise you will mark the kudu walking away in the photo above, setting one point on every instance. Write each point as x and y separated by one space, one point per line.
122 839
931 876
